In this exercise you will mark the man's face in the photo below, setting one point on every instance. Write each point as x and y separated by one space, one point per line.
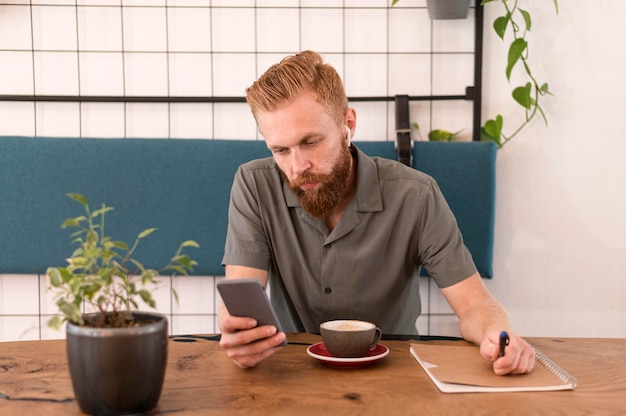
311 151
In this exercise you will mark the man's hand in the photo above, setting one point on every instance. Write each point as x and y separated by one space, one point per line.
245 343
519 357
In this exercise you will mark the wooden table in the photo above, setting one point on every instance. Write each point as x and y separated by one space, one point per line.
201 380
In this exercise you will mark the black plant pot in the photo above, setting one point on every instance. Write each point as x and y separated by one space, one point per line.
117 371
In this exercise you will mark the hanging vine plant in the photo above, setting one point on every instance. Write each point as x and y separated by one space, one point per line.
515 22
518 22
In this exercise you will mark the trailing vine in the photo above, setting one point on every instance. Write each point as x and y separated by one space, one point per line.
528 95
517 22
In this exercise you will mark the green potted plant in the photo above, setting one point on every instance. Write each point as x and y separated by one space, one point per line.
117 355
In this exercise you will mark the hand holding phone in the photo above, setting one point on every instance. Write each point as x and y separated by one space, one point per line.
247 298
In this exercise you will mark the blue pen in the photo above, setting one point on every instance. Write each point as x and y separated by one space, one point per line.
504 341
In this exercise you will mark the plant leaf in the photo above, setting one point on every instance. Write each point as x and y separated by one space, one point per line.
92 237
101 211
146 296
439 135
119 244
70 310
527 19
518 46
79 198
146 233
148 276
137 264
185 261
492 130
72 222
55 322
190 243
54 276
499 25
522 96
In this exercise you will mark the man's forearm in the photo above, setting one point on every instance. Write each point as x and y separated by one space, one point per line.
477 310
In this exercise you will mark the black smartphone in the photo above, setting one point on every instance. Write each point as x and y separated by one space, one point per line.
247 298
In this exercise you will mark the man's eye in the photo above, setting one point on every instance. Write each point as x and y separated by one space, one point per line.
279 151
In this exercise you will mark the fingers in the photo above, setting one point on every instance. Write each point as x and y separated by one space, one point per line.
519 356
247 344
233 324
490 347
252 354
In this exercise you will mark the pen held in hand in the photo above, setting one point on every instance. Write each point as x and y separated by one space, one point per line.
504 341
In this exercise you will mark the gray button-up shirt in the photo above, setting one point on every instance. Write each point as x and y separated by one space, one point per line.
367 266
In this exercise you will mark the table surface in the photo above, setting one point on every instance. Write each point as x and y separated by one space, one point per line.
201 379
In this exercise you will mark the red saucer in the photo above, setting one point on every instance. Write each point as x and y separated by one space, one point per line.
319 352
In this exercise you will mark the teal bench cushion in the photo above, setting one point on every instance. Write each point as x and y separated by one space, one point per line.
466 174
182 187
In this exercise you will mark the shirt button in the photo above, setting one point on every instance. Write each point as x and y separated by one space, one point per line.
327 290
328 245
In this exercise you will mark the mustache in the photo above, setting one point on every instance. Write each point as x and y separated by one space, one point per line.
308 178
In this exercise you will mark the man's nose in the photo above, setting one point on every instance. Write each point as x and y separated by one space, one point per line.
299 162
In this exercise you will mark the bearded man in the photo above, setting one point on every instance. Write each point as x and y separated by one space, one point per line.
340 235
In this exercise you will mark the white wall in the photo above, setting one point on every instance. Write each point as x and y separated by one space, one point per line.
561 191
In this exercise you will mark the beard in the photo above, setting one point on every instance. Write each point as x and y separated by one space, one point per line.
319 201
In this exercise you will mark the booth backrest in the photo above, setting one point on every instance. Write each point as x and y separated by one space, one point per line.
182 187
466 174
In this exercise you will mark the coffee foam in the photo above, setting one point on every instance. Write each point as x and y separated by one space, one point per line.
348 325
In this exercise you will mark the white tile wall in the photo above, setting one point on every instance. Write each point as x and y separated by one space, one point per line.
147 120
190 74
272 37
17 118
15 28
56 119
103 120
232 73
93 22
17 78
190 121
213 48
409 31
151 37
189 29
227 26
101 73
454 35
26 305
365 31
315 20
56 73
60 20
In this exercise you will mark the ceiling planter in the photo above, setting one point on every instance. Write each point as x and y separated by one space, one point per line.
448 9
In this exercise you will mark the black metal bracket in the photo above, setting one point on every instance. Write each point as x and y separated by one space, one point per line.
403 129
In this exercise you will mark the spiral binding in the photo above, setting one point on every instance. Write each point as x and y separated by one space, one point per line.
555 369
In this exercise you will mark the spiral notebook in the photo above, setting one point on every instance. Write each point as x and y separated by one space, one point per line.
461 369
